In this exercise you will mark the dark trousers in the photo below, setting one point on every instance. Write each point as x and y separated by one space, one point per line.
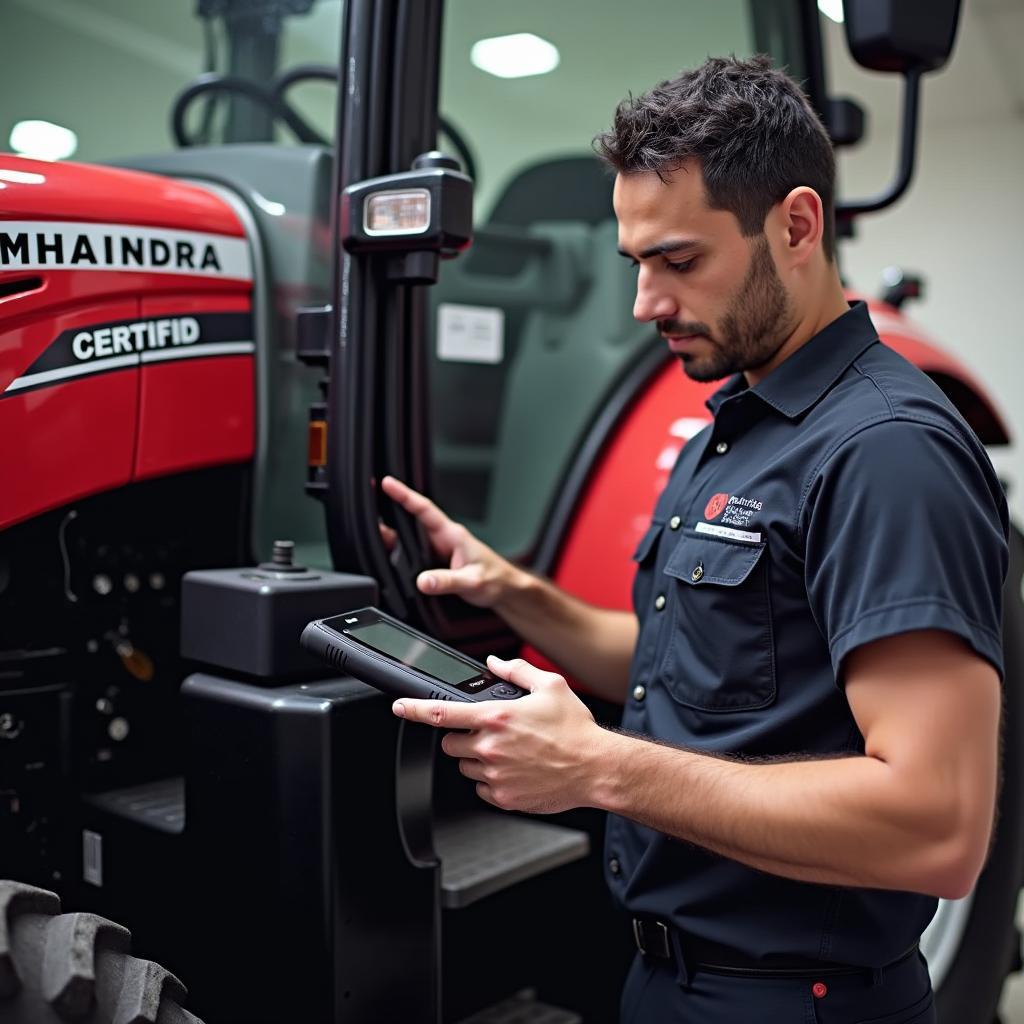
657 992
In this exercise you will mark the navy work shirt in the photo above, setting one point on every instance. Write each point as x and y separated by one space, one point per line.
841 500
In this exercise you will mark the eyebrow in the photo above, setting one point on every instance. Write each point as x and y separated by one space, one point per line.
672 245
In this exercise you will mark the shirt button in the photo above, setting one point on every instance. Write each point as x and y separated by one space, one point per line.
674 523
722 447
698 572
659 602
615 867
639 692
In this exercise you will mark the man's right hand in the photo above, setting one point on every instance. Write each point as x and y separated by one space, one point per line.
593 645
476 573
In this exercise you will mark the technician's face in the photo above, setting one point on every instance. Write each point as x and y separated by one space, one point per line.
716 296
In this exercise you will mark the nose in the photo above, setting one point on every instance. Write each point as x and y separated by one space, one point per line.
653 302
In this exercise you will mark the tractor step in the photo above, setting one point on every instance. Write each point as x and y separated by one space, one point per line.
480 853
160 804
484 853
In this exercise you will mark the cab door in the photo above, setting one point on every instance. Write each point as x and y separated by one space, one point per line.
498 390
518 391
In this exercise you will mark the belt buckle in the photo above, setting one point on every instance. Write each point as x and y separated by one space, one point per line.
638 934
665 952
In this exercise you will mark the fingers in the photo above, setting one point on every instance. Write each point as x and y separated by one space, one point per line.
389 536
415 504
449 581
441 714
472 770
429 583
484 792
521 672
461 744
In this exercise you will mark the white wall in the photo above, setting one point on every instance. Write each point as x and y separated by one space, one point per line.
961 226
962 221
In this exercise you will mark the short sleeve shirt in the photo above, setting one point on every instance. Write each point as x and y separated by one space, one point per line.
840 500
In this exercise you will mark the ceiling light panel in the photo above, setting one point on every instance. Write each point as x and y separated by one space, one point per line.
43 140
515 56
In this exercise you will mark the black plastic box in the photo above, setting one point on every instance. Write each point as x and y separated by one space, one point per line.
249 620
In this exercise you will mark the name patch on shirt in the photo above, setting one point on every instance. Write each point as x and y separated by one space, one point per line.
725 531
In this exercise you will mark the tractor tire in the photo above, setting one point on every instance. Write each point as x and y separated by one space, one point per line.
58 967
972 945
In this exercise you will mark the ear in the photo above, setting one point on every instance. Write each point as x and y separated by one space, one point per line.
802 220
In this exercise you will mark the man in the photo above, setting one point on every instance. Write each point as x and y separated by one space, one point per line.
811 681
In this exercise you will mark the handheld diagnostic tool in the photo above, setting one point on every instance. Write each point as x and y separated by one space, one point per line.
401 661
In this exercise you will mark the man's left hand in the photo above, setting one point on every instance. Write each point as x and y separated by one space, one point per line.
536 753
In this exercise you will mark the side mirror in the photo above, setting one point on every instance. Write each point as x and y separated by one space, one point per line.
901 35
912 37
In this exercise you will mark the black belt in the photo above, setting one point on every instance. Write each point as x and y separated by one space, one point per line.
655 939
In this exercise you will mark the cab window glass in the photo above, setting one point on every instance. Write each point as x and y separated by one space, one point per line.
532 328
108 71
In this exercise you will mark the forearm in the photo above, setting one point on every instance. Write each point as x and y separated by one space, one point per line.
852 821
593 645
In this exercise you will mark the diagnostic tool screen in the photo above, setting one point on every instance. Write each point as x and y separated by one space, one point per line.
414 652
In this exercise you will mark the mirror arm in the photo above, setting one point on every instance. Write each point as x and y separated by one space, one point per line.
908 147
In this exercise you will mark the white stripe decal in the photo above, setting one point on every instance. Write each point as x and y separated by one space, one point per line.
725 531
71 245
49 376
217 348
223 348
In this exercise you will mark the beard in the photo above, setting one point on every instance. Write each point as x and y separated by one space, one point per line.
756 323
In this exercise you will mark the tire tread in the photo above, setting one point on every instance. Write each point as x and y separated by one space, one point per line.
17 899
85 971
69 960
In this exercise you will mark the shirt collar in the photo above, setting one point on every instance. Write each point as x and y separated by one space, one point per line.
811 371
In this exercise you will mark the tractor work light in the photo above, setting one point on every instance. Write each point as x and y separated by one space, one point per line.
416 217
398 212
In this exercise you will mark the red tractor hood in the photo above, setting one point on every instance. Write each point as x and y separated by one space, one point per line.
41 190
126 334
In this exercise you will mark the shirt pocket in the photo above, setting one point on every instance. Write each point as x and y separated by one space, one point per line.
721 652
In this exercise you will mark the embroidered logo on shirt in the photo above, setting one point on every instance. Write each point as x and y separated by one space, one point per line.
739 511
716 506
734 509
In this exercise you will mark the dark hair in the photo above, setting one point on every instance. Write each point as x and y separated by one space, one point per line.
748 124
